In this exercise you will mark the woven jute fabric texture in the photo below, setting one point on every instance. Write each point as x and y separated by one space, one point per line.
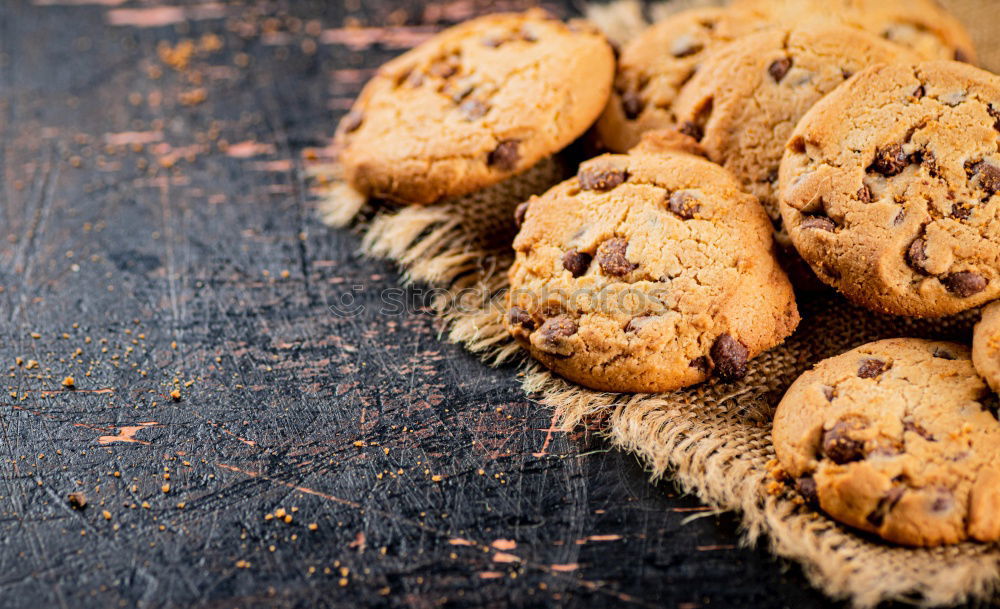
713 439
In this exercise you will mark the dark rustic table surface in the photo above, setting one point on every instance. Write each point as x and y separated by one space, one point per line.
229 438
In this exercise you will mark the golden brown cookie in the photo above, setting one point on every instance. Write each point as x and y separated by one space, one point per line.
747 96
921 25
896 438
651 70
889 188
648 272
476 104
986 346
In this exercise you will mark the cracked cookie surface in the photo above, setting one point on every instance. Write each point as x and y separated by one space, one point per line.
921 25
648 272
747 96
476 104
889 188
897 438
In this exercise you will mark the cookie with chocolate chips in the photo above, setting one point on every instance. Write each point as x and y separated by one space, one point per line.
648 272
923 26
896 438
890 188
651 71
476 104
747 96
986 346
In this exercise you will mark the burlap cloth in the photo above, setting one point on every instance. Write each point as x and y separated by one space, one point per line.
713 439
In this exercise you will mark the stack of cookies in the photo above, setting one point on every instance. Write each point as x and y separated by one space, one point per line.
751 152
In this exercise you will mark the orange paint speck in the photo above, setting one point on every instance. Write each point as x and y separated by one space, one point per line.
504 544
127 434
77 2
160 16
490 575
133 137
565 568
458 541
358 38
249 148
279 166
505 557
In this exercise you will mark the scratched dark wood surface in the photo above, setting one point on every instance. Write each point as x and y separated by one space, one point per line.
157 234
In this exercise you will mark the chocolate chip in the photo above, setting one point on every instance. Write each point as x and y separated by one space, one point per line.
473 109
900 216
986 176
553 332
77 500
505 156
828 393
965 283
890 161
459 91
685 46
871 368
865 194
636 323
839 447
885 505
352 121
415 79
961 211
611 257
730 358
601 179
916 255
519 213
779 68
701 364
995 113
818 223
632 104
919 92
520 318
918 429
576 262
846 73
961 55
692 130
929 160
944 502
806 486
684 205
443 69
943 354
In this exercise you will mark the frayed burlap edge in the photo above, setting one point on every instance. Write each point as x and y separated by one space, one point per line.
713 440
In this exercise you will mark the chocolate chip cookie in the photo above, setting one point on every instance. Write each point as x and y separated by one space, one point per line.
897 438
651 70
747 96
986 346
922 25
648 272
478 103
889 188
